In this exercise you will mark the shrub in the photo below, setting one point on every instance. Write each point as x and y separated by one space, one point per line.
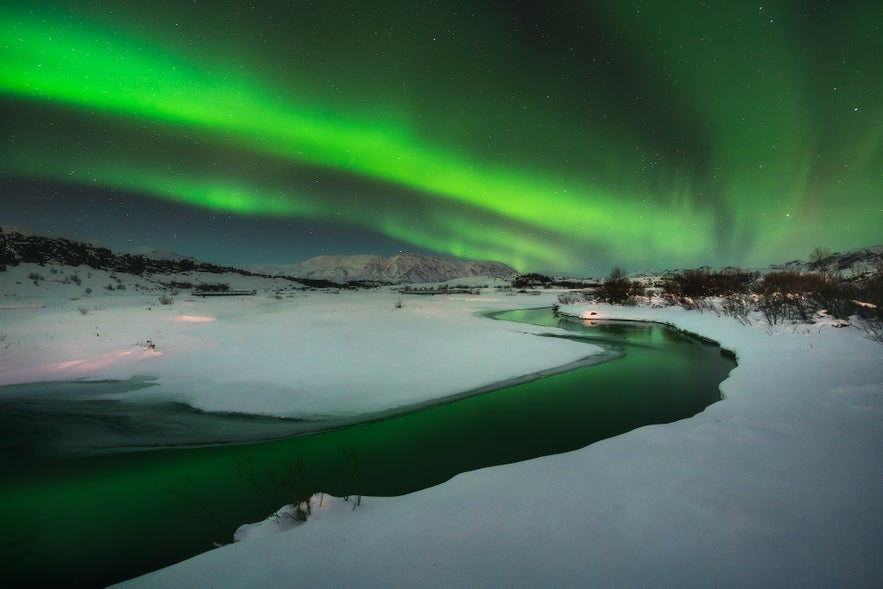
796 296
209 287
786 295
615 288
870 293
297 484
532 279
819 259
694 284
572 297
36 278
352 459
295 481
165 299
738 306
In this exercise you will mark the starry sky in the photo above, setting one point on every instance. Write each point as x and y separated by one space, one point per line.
556 136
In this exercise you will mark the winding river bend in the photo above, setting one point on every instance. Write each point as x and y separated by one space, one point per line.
93 517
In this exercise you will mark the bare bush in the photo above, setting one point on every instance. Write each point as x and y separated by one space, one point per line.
797 296
873 328
786 296
617 289
297 484
695 284
352 459
738 306
165 299
867 295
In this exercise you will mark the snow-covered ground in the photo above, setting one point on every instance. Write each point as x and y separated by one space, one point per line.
301 354
777 485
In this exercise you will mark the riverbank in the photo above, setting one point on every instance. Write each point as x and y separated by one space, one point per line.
779 484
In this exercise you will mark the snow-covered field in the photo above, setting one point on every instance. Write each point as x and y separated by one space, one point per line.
304 354
777 485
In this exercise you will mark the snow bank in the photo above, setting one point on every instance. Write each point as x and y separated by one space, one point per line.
778 485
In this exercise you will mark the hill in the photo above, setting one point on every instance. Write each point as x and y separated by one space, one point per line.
399 269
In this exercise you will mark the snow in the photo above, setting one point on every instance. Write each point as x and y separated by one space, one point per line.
777 485
303 354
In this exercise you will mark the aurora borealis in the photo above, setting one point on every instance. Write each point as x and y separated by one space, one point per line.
553 136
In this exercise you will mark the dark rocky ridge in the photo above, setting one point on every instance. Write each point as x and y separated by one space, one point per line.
16 248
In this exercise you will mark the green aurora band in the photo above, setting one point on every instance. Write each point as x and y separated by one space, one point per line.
772 159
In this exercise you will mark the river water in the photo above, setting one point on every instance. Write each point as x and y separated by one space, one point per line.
97 491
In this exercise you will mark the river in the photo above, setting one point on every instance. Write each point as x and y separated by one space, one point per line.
80 508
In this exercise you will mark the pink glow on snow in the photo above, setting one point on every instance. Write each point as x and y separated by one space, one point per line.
194 319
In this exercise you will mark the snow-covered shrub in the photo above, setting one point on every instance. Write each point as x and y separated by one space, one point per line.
165 299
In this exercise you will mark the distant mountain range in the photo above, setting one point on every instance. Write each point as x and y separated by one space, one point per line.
20 248
399 269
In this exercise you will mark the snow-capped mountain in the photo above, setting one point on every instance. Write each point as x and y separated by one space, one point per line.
398 269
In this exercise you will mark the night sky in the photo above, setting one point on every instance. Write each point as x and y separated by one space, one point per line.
555 136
